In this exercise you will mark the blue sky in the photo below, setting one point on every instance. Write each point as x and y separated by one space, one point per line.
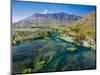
20 10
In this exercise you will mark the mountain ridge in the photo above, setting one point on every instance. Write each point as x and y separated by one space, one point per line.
47 19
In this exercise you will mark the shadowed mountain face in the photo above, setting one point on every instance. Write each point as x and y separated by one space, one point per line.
47 19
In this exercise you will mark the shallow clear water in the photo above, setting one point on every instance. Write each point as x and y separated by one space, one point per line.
54 53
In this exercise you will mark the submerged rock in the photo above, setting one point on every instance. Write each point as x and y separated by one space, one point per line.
71 49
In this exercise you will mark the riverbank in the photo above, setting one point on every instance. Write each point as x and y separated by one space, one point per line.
90 43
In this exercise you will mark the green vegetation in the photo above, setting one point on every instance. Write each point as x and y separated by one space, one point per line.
83 31
38 65
27 70
41 63
47 38
21 39
71 49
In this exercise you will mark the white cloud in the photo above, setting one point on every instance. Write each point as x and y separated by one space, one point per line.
45 11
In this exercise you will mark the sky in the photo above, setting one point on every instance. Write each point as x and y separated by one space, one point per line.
20 9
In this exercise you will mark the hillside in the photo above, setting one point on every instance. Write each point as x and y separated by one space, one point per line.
88 20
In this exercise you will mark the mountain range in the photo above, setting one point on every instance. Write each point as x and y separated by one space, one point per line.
47 19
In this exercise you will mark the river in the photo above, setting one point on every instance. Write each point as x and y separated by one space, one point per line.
25 55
